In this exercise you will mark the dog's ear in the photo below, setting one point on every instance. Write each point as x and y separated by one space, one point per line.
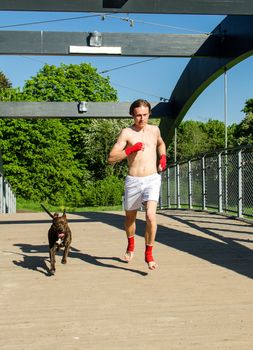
56 215
64 212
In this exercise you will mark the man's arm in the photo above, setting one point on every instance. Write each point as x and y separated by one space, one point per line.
119 152
161 149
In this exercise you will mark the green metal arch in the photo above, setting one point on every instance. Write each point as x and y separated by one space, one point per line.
236 44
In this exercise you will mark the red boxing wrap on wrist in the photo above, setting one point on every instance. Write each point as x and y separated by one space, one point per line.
135 148
163 161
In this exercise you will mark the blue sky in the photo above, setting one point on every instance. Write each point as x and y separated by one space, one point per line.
150 80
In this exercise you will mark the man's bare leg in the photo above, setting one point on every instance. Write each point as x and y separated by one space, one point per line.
150 234
130 228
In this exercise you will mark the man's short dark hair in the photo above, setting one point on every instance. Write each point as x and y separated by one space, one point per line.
139 103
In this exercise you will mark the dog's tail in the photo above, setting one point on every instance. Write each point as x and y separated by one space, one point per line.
51 215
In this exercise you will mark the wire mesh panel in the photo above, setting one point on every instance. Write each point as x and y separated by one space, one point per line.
212 181
222 181
229 181
173 187
163 202
196 170
184 189
247 183
7 197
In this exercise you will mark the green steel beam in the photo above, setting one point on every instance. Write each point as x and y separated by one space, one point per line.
199 73
212 7
72 110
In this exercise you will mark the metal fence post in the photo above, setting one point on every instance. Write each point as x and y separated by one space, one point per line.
190 184
220 184
168 187
178 186
239 205
203 183
1 193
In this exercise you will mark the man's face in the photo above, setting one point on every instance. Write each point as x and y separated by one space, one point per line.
141 116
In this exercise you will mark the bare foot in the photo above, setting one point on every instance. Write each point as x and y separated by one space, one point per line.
152 265
128 256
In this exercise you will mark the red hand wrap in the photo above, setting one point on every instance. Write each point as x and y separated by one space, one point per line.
148 253
135 148
130 247
163 161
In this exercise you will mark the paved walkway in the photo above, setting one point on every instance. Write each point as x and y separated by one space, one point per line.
201 296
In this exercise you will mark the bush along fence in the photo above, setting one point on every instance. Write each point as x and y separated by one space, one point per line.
7 197
221 181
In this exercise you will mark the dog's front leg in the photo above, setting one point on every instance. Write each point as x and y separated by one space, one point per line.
52 259
65 254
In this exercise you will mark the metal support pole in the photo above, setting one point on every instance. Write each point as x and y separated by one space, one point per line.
175 160
220 183
203 184
189 184
168 189
225 108
1 193
178 186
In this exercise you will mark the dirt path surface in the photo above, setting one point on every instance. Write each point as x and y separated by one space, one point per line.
200 297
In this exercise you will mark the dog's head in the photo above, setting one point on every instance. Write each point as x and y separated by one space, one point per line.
60 224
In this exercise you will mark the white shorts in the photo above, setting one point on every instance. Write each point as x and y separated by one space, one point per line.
141 189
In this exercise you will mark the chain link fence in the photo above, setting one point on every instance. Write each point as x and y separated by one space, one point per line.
7 197
221 181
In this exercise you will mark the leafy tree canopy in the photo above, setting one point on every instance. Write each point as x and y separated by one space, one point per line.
191 139
244 131
4 81
69 83
44 159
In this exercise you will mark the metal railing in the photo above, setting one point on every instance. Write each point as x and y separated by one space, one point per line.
221 181
7 197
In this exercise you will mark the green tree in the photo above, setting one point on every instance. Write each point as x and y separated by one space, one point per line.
97 142
70 83
191 140
244 130
215 132
248 108
39 162
4 81
44 159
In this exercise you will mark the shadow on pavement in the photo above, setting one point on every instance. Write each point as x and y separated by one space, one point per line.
38 263
226 252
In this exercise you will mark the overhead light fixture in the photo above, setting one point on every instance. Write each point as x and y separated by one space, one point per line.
95 39
82 107
95 46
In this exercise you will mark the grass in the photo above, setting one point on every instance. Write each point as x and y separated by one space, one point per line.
24 205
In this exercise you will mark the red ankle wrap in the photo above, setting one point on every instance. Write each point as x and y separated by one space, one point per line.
148 253
130 247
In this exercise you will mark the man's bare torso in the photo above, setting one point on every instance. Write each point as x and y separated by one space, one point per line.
142 163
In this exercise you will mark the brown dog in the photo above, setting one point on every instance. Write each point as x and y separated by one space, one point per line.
59 236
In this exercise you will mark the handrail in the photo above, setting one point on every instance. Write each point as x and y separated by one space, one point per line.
7 197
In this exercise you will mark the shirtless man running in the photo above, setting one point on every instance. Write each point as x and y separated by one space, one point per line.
140 144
